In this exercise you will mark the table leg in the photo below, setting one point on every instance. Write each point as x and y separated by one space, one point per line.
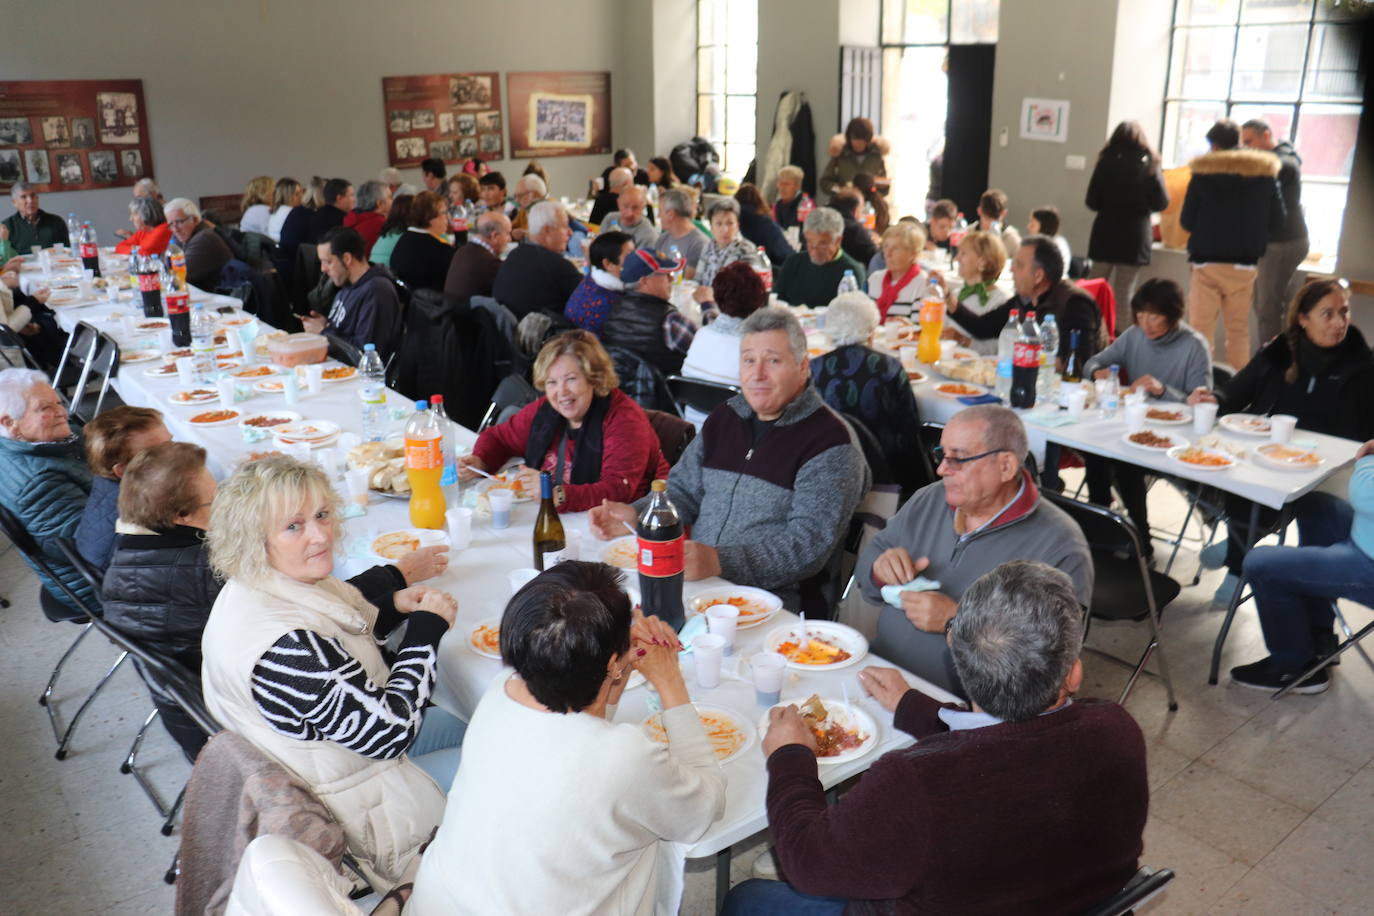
722 877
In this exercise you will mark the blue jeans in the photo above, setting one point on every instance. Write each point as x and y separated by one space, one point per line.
436 749
1296 587
759 897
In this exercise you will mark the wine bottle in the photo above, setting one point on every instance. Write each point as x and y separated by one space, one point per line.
1073 365
549 541
661 547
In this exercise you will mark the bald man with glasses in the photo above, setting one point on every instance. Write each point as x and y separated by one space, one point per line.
984 511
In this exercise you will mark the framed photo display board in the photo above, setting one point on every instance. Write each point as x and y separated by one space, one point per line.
73 135
559 114
448 116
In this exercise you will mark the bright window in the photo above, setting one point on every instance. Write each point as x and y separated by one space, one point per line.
727 79
1292 63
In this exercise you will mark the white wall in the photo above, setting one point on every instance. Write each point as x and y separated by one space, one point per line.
799 49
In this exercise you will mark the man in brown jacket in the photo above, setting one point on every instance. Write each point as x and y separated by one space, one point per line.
475 264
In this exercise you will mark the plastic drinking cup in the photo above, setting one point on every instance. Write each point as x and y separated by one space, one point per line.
164 339
1135 416
228 391
1281 426
459 527
1077 402
708 650
766 669
291 387
314 377
723 620
1204 417
356 481
947 348
186 371
500 499
248 336
908 357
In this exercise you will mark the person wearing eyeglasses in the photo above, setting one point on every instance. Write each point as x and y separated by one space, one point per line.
206 252
984 511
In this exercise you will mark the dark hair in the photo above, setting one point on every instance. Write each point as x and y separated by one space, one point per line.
335 188
1129 135
1161 296
468 183
621 155
398 217
1048 218
159 485
1047 256
344 240
1224 134
858 129
865 185
739 290
750 199
846 202
561 630
1258 124
1312 292
535 167
426 206
669 179
434 167
493 178
944 209
993 202
607 247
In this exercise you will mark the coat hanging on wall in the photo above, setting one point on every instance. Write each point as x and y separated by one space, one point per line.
793 143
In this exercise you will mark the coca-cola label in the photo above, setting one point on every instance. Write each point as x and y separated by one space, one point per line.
89 250
1026 355
178 303
149 283
661 559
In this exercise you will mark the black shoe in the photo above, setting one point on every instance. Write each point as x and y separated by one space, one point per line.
1263 676
1324 642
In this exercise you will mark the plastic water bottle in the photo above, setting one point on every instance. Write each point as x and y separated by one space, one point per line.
674 254
1049 352
373 394
202 343
73 228
1111 391
450 477
1006 347
847 284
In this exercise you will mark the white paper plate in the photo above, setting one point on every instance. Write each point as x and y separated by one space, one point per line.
499 481
740 737
183 399
289 416
352 374
848 715
254 373
760 605
314 433
225 422
491 628
1174 441
408 538
1245 424
943 390
165 370
1268 453
139 356
836 634
622 553
1178 450
1185 414
269 386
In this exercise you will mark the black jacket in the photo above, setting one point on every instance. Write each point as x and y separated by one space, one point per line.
635 322
95 533
766 234
421 261
1338 401
1290 186
1073 310
1233 207
857 241
1124 190
322 220
534 279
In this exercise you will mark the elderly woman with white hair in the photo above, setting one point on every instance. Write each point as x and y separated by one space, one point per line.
151 232
206 252
44 480
726 246
812 277
869 386
292 662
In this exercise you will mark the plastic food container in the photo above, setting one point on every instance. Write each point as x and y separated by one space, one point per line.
298 350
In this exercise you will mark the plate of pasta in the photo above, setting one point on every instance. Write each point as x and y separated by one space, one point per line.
1202 459
817 645
756 606
726 730
842 730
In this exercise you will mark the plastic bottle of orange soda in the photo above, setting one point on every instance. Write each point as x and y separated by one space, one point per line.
932 323
425 467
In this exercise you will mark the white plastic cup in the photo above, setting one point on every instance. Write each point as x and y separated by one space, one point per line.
129 325
314 377
708 649
291 387
228 391
186 371
248 336
947 348
500 499
767 669
1077 402
164 339
459 528
1281 426
723 620
519 577
356 481
573 545
112 291
1204 417
1135 416
908 357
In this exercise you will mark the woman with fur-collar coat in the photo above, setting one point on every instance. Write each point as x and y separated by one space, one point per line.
854 151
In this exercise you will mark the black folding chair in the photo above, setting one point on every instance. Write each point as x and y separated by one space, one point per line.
343 350
1146 883
91 354
57 612
1124 586
11 342
512 394
698 393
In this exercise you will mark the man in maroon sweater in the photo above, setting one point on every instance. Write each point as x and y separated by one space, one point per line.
1030 802
474 265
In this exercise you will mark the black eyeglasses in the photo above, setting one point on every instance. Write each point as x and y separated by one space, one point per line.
940 456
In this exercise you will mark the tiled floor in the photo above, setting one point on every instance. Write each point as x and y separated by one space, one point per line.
1260 807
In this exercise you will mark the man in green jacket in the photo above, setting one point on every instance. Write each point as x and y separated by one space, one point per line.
812 277
28 225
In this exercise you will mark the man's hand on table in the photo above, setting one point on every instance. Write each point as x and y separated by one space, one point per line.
424 563
611 519
1201 396
786 726
699 561
886 685
420 598
314 322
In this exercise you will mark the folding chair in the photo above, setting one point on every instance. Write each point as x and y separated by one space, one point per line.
1146 883
1124 586
11 342
674 434
343 350
89 351
1352 641
512 394
699 394
56 611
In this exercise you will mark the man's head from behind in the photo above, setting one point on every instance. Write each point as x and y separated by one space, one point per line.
494 228
183 216
619 179
675 210
773 365
632 203
338 192
982 448
25 199
1016 640
1224 135
343 255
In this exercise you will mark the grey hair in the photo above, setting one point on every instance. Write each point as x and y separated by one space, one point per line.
148 210
150 186
544 214
1015 637
389 176
724 205
19 187
370 194
677 200
791 171
15 385
825 221
490 223
534 183
185 205
777 318
619 177
1002 428
850 318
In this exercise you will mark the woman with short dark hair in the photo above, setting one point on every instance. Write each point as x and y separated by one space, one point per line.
556 809
714 354
756 224
423 254
397 218
857 150
1125 188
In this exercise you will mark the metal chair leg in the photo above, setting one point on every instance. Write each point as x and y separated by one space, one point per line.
131 759
56 671
174 869
1156 646
130 765
1322 663
1349 633
71 727
168 823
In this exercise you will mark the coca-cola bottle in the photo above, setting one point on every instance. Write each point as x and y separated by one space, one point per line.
150 284
178 299
661 545
90 251
1025 363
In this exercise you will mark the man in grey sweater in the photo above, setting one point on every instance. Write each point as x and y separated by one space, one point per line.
985 511
771 483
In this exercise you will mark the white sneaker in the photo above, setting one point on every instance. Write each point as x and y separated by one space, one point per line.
765 866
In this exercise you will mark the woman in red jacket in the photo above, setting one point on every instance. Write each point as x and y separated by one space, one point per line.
589 434
151 231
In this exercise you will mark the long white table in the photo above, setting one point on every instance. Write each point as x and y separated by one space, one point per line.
478 577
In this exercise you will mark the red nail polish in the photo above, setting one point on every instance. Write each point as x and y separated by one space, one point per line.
640 651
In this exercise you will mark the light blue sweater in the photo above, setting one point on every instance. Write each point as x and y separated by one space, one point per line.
1362 500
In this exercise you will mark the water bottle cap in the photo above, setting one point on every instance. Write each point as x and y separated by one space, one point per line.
422 405
369 347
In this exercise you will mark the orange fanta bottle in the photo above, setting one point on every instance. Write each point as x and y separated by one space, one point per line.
932 323
425 467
